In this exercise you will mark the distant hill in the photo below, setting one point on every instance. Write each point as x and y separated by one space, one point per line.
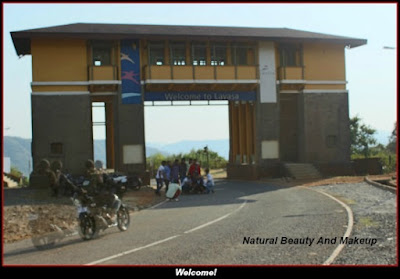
19 151
219 146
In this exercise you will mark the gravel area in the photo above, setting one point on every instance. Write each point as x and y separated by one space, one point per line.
375 217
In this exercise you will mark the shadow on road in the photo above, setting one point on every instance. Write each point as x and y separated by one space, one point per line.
226 192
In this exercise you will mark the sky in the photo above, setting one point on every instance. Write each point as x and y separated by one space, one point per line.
370 69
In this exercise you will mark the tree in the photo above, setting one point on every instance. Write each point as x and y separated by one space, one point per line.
154 161
361 136
393 140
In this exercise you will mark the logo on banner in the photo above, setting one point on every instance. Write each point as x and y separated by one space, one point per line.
130 72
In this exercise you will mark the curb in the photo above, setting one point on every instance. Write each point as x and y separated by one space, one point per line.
379 185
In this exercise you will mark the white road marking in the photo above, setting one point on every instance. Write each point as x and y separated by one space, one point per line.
350 222
166 239
132 251
216 220
158 204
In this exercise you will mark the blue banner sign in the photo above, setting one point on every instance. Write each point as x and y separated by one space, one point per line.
130 72
201 96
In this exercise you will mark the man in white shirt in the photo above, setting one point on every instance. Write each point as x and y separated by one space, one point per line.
160 176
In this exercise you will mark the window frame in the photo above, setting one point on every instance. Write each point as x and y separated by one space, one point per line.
244 59
216 58
198 60
290 55
159 59
105 47
178 59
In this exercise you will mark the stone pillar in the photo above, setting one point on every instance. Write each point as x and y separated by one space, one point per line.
324 127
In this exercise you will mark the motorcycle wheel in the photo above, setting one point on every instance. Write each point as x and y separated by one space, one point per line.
134 184
87 226
123 218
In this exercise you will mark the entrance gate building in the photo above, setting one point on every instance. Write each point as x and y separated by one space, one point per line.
286 91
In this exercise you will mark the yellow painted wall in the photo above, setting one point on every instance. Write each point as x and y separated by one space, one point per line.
59 60
160 72
204 72
183 72
246 72
225 72
59 88
291 72
103 72
324 62
325 86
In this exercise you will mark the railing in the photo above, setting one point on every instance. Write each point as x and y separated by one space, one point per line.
293 73
167 72
108 72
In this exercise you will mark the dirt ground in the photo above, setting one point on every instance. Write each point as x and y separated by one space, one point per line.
62 213
25 218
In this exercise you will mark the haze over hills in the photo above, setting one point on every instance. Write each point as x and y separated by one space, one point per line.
219 146
19 149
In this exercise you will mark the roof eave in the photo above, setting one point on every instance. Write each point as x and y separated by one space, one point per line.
22 40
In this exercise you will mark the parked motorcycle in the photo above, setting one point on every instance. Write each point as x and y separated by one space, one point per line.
132 182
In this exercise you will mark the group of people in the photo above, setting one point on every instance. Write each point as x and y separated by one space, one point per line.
188 176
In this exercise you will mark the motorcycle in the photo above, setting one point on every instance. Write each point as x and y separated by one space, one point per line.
129 181
96 214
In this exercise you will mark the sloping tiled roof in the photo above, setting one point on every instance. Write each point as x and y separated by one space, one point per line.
22 38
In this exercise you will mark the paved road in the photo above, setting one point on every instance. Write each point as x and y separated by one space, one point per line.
210 230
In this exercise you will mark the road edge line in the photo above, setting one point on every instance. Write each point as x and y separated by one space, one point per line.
350 222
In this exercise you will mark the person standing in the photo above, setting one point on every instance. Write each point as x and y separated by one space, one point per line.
194 170
175 172
183 169
167 177
188 166
160 176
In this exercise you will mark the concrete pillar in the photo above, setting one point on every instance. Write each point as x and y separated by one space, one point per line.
130 153
64 120
267 113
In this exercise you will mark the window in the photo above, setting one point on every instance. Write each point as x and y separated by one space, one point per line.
243 54
290 55
101 52
178 50
218 55
157 53
199 53
56 148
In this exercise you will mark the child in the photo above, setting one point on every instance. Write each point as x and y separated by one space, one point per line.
209 182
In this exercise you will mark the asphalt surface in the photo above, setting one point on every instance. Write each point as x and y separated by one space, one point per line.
243 223
374 212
